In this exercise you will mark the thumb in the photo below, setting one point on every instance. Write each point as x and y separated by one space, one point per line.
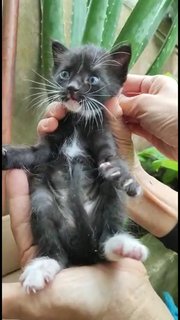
134 106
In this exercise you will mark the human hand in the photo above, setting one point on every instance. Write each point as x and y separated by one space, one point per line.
150 109
101 292
19 202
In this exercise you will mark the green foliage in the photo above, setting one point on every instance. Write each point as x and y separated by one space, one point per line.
52 27
159 166
97 21
142 24
166 49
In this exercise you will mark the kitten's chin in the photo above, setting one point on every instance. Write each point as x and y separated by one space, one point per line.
73 106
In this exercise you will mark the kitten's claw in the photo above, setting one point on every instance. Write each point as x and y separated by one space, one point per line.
109 172
105 165
132 188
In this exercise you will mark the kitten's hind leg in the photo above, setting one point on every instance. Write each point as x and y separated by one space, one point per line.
46 221
38 273
124 245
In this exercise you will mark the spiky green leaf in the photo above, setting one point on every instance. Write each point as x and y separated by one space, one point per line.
142 24
111 23
95 22
52 27
166 49
79 12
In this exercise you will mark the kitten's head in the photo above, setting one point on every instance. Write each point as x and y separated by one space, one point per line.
88 76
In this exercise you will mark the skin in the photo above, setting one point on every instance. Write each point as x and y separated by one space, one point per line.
115 290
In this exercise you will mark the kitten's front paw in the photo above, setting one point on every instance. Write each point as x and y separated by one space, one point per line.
38 273
4 158
131 187
109 171
124 245
122 179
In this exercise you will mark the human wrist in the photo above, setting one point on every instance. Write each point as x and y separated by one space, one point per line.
158 203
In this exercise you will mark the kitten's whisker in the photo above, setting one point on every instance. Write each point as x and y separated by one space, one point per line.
50 82
41 103
98 111
93 112
42 93
110 113
99 95
90 86
104 57
44 85
34 94
109 62
37 99
46 89
99 89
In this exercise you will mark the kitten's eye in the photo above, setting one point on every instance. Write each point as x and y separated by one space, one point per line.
93 80
64 75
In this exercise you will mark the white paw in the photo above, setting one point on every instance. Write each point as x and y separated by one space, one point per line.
38 273
4 151
124 245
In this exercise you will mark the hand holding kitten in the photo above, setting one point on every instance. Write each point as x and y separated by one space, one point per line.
150 109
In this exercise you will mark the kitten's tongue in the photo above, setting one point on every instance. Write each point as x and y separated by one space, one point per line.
73 105
73 97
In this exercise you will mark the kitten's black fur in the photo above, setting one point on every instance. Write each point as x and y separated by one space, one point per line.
77 194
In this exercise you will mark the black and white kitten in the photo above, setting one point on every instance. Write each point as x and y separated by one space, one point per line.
77 179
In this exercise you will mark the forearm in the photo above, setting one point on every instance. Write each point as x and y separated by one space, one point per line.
157 209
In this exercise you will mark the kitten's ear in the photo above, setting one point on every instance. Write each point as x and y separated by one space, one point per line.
122 55
57 50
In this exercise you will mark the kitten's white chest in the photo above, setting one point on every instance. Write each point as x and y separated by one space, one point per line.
72 148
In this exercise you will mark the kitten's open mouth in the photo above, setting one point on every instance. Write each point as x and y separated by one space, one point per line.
73 105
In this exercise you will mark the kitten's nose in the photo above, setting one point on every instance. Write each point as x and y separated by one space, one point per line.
73 89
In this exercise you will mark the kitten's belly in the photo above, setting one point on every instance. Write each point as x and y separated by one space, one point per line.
73 148
88 189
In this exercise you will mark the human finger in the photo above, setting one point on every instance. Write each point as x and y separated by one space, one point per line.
19 208
114 109
57 110
47 125
134 107
137 84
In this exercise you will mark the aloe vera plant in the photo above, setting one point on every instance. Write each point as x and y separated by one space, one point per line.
97 22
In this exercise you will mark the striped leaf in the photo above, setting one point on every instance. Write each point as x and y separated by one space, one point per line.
79 13
111 23
95 22
52 27
166 49
142 24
